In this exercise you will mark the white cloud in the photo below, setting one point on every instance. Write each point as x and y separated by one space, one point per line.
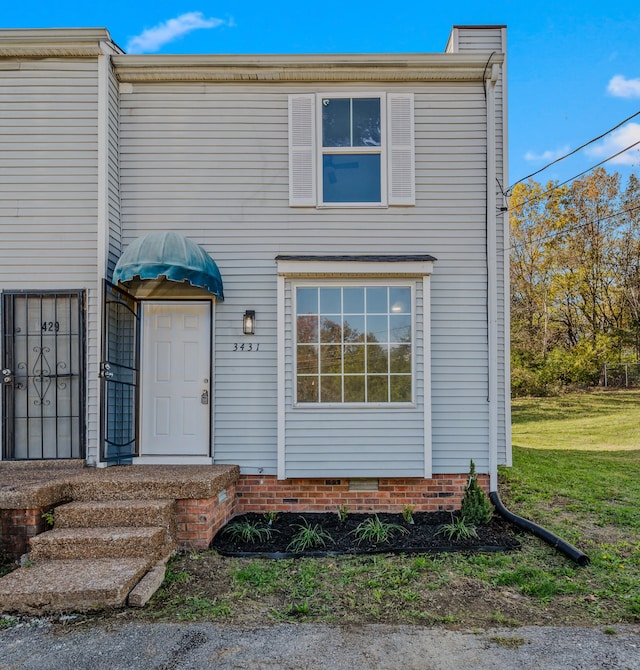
617 141
621 87
546 156
152 39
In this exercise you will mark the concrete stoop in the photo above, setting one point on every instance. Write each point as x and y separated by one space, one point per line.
71 585
97 553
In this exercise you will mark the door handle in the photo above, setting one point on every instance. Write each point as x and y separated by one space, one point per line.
204 398
7 376
105 371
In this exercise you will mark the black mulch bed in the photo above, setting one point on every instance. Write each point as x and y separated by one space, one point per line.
422 535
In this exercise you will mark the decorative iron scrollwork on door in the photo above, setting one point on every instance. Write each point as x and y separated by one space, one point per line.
43 375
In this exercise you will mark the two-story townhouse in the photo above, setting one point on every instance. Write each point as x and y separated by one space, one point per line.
295 264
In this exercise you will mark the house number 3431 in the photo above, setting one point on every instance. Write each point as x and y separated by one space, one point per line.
246 346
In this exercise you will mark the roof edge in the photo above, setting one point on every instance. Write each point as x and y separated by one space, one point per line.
51 42
306 67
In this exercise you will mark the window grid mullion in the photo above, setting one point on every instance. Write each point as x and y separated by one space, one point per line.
350 122
319 348
342 343
388 345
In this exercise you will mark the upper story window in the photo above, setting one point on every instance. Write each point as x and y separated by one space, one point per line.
352 142
349 150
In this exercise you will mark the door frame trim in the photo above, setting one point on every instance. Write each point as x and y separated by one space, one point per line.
178 459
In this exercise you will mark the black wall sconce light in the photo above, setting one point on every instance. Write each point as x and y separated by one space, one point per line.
249 322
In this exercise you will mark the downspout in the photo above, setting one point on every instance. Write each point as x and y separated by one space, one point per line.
550 538
492 277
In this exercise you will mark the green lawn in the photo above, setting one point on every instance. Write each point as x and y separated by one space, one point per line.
576 470
577 454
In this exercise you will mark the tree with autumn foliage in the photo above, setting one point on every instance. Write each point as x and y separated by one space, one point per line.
575 280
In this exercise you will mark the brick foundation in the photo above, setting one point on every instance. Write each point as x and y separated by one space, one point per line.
17 526
197 521
257 493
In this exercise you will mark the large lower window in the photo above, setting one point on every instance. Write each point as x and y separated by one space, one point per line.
354 343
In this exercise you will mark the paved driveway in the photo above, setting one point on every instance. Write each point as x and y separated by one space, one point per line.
311 647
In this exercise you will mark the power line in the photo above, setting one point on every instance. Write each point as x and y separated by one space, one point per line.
557 186
586 144
570 229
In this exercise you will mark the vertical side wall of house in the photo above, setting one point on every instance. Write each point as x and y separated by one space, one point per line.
48 195
492 39
114 250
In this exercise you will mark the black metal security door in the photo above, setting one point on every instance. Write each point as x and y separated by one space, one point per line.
119 372
43 377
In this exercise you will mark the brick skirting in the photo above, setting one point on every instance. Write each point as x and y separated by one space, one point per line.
17 526
258 493
197 521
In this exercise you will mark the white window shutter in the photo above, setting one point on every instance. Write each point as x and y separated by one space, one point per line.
401 149
302 160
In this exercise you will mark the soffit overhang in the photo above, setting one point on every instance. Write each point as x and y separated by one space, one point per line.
394 68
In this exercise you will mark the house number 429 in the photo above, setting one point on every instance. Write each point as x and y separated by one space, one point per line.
246 346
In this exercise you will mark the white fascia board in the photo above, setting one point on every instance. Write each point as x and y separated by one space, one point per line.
304 268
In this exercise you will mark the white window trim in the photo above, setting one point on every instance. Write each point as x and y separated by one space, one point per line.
381 151
339 283
305 151
327 269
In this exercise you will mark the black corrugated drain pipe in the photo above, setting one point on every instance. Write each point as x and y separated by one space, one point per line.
556 542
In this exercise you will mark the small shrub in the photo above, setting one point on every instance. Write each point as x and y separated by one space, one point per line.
458 529
309 537
248 531
407 513
343 513
476 508
270 517
376 531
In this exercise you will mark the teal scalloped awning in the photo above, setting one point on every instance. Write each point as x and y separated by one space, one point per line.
172 256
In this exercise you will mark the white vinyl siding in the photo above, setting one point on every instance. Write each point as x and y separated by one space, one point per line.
492 39
48 188
212 162
398 173
113 179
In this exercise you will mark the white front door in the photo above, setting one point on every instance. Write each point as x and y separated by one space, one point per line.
175 412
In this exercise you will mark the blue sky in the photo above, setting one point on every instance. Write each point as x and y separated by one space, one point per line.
574 67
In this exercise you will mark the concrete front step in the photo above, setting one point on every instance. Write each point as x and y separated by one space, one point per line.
71 585
114 542
105 514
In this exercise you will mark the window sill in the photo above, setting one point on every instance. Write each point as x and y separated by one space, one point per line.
343 406
352 205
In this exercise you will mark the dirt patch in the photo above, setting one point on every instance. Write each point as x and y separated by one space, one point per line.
348 536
